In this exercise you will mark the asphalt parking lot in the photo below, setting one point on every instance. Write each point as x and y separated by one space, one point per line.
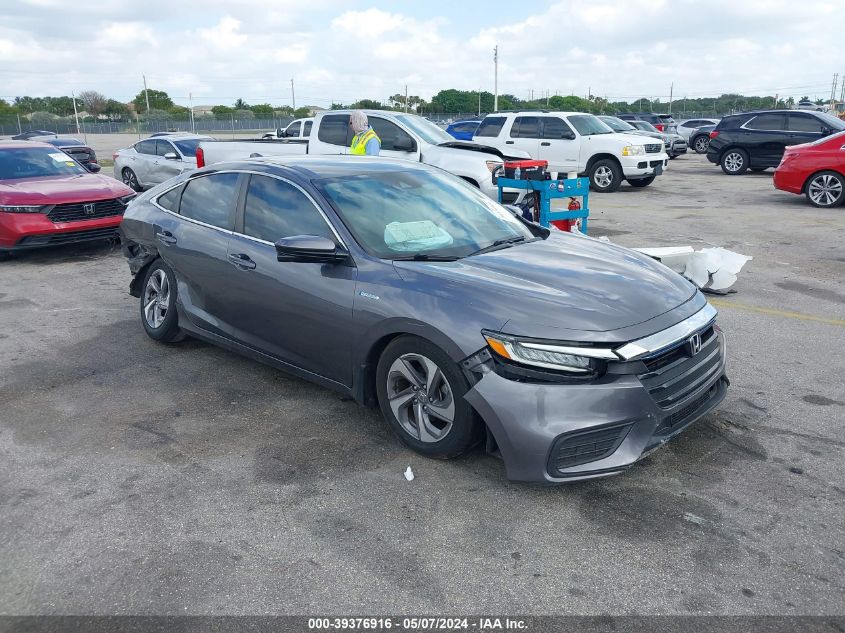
137 478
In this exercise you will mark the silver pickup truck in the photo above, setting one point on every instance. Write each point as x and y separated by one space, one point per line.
402 135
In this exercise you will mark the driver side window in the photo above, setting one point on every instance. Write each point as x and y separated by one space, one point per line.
391 135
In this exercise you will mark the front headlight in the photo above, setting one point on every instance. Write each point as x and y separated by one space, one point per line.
125 200
41 208
569 358
633 150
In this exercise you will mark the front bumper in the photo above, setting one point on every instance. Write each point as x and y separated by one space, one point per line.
643 166
618 417
22 231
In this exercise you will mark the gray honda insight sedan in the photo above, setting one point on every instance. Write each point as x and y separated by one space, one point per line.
405 288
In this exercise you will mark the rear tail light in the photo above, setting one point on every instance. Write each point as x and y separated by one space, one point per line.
200 157
714 134
659 126
114 156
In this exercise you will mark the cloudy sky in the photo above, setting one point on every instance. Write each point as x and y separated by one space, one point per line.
219 50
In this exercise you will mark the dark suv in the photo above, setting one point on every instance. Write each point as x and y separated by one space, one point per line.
663 122
756 140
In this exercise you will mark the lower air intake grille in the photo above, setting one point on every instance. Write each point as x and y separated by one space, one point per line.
581 447
68 237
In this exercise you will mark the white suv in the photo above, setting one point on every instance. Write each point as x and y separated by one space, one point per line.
577 142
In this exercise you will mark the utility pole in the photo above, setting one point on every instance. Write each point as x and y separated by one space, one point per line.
776 100
75 113
191 108
833 89
146 94
479 103
671 89
292 93
21 131
496 78
406 97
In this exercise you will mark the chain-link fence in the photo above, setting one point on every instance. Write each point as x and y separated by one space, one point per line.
10 126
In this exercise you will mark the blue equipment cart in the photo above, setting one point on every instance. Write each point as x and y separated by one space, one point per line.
551 189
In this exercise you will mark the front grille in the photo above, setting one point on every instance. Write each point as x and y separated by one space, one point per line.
591 445
76 211
677 419
69 237
653 148
673 375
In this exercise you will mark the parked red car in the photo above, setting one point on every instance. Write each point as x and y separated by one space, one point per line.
815 169
48 198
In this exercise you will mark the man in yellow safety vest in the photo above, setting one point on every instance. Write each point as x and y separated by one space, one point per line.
365 142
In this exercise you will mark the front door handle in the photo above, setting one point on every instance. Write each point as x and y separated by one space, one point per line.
241 260
166 237
545 144
508 142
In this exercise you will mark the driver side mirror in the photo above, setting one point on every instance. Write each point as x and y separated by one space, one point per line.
309 248
171 156
826 131
94 168
405 144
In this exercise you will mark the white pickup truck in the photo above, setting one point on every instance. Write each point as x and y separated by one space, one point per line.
402 135
577 142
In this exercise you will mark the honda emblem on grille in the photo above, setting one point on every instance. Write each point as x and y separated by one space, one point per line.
694 344
88 208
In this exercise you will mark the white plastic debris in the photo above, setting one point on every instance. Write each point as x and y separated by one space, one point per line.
713 269
409 474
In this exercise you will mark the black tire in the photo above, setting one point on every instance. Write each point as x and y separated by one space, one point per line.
641 182
825 189
130 179
700 144
4 255
166 329
465 430
734 161
605 176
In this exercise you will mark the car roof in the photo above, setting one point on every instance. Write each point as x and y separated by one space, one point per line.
24 144
317 167
65 142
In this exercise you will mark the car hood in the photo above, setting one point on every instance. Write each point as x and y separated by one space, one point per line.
631 138
662 137
61 189
456 147
566 282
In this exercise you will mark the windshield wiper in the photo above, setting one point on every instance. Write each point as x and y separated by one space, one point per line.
422 257
498 244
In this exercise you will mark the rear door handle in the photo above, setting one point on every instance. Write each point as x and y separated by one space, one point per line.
241 260
508 142
166 237
545 144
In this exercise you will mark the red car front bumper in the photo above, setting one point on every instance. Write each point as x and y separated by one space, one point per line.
20 231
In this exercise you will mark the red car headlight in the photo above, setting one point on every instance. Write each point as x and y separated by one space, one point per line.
40 208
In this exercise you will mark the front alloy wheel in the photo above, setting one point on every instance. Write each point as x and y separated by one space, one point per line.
825 189
158 304
156 298
420 397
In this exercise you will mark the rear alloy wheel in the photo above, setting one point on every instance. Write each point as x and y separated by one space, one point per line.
158 304
642 182
700 144
605 176
130 179
734 162
825 189
421 394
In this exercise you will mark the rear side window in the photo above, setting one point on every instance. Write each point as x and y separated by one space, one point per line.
169 200
491 126
164 147
210 199
804 123
555 128
293 130
526 127
772 121
275 209
390 134
334 129
146 147
307 128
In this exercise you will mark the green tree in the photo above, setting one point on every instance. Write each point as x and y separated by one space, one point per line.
94 102
159 100
43 119
222 112
155 115
179 113
240 104
264 110
364 104
6 109
301 113
244 114
116 109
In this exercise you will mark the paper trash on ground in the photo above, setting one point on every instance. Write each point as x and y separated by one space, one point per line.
409 474
713 269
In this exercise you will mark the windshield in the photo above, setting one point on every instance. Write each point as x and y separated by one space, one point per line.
617 125
36 162
831 121
64 142
402 214
429 132
188 147
587 124
645 126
